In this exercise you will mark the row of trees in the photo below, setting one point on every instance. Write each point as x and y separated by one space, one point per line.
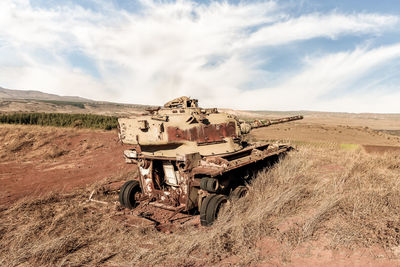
61 120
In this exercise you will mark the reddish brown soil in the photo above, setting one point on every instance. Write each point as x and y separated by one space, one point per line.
83 157
315 253
381 149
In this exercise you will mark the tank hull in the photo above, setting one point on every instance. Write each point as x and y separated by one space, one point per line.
174 183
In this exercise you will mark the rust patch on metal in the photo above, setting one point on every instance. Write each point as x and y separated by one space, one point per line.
204 133
217 160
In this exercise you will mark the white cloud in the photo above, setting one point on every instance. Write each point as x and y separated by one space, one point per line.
50 79
372 102
324 84
320 25
181 48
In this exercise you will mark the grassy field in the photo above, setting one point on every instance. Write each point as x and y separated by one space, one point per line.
338 198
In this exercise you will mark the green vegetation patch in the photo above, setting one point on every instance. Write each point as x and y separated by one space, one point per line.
62 120
349 146
65 103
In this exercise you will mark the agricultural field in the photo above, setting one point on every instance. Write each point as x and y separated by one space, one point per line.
333 200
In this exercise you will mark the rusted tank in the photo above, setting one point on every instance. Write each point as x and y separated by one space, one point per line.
192 159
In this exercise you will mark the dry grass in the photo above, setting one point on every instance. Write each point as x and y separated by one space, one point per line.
348 198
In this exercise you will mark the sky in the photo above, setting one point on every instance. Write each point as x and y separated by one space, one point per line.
341 55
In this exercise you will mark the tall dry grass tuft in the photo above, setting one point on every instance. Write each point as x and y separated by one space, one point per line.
345 198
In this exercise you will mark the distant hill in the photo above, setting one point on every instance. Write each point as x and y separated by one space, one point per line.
37 95
20 101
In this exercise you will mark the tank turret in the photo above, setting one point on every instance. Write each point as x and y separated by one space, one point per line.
181 127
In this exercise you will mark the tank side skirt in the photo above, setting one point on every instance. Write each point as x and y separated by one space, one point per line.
235 164
243 151
225 155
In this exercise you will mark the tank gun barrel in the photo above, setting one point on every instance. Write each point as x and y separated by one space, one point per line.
259 124
246 127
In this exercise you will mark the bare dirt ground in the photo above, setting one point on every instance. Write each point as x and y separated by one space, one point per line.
37 160
332 202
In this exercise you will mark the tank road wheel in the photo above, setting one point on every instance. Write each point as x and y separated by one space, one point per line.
239 192
214 206
129 193
210 208
203 209
209 184
212 185
203 183
121 192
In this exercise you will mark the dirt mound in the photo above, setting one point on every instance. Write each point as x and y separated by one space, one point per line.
317 205
36 160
